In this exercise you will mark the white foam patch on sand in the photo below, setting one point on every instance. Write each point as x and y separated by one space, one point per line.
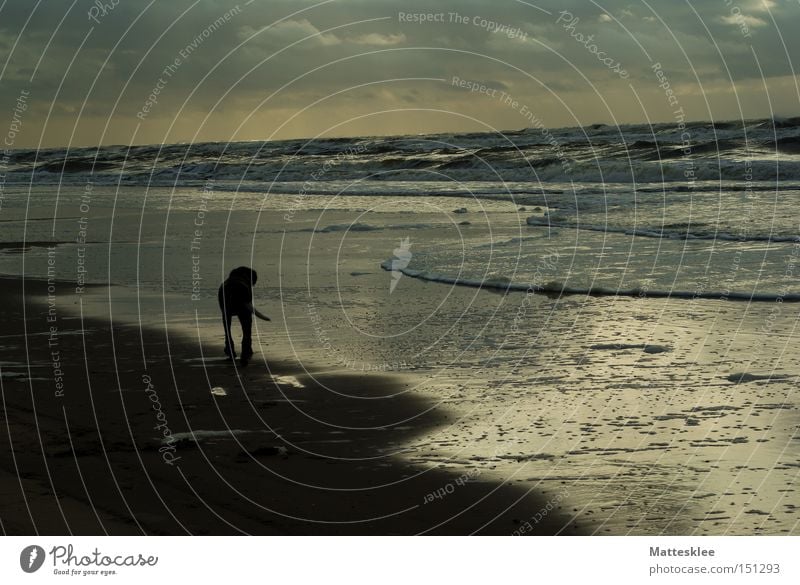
201 435
289 381
206 360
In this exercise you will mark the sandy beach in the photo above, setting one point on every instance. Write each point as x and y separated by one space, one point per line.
382 403
92 457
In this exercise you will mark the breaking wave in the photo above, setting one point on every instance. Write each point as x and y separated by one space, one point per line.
758 150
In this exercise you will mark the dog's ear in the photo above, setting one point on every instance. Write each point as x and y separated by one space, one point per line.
240 273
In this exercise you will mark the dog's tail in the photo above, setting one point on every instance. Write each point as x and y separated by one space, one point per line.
257 313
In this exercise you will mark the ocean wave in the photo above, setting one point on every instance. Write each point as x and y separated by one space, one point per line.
595 154
788 144
537 172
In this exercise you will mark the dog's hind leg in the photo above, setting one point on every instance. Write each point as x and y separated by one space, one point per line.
230 350
246 320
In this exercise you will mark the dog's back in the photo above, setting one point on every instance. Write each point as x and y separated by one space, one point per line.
236 293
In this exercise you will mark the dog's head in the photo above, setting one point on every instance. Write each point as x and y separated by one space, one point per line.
245 274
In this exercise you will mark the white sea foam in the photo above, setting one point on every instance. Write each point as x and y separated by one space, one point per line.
673 234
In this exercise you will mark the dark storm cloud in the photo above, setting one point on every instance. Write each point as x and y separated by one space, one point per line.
107 61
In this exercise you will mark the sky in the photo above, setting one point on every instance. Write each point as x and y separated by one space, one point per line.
82 73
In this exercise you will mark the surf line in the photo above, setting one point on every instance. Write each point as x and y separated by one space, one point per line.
558 289
665 235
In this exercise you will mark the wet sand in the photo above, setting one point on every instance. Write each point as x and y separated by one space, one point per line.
634 415
322 453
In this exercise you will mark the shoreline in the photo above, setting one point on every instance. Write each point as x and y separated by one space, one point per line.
558 290
322 458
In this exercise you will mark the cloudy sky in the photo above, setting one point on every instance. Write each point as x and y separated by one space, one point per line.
229 70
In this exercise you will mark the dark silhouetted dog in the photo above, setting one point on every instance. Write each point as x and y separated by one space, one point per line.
236 299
